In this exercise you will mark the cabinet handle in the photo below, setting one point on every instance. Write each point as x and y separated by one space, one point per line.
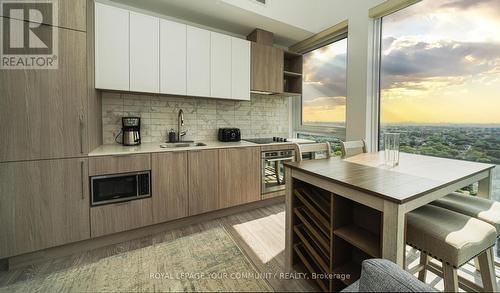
122 155
280 159
82 125
82 171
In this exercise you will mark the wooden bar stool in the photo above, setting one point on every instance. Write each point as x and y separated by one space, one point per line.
453 239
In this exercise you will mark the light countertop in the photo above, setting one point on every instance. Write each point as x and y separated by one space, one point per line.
155 147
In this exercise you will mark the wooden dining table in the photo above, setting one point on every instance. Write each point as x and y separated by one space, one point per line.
392 190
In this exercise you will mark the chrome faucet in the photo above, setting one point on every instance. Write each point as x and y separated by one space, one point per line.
180 123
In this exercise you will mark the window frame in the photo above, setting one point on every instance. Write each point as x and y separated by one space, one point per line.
376 70
297 102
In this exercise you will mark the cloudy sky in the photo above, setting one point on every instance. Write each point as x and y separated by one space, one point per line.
324 87
441 63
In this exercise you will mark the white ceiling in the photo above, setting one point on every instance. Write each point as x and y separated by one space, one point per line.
291 21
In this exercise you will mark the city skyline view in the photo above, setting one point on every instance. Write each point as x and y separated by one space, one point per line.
324 88
441 63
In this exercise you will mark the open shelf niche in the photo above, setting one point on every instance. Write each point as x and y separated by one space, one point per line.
332 235
292 73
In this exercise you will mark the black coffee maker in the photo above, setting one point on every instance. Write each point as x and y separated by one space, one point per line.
131 130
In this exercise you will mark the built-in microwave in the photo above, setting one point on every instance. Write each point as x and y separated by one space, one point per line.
120 187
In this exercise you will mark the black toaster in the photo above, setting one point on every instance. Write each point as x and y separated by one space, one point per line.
229 134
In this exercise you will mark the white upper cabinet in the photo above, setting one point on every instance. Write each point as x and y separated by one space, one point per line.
198 62
220 65
240 69
144 53
172 58
111 47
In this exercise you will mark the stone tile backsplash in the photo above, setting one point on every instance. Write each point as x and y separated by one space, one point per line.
263 116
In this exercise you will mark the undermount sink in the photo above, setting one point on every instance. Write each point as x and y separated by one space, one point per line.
182 144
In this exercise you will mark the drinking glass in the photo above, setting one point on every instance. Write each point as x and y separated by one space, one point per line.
391 149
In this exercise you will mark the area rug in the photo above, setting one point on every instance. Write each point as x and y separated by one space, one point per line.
204 261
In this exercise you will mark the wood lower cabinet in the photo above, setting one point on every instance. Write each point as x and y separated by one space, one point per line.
43 204
170 186
203 179
113 218
119 164
239 176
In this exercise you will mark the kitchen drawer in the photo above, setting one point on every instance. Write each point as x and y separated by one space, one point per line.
119 164
279 146
113 218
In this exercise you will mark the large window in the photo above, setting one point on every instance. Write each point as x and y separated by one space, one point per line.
440 80
324 86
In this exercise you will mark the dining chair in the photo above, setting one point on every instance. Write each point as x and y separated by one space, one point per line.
352 148
313 148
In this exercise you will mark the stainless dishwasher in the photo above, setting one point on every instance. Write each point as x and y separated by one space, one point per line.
273 169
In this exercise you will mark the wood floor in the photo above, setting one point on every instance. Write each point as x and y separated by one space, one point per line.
261 235
258 233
